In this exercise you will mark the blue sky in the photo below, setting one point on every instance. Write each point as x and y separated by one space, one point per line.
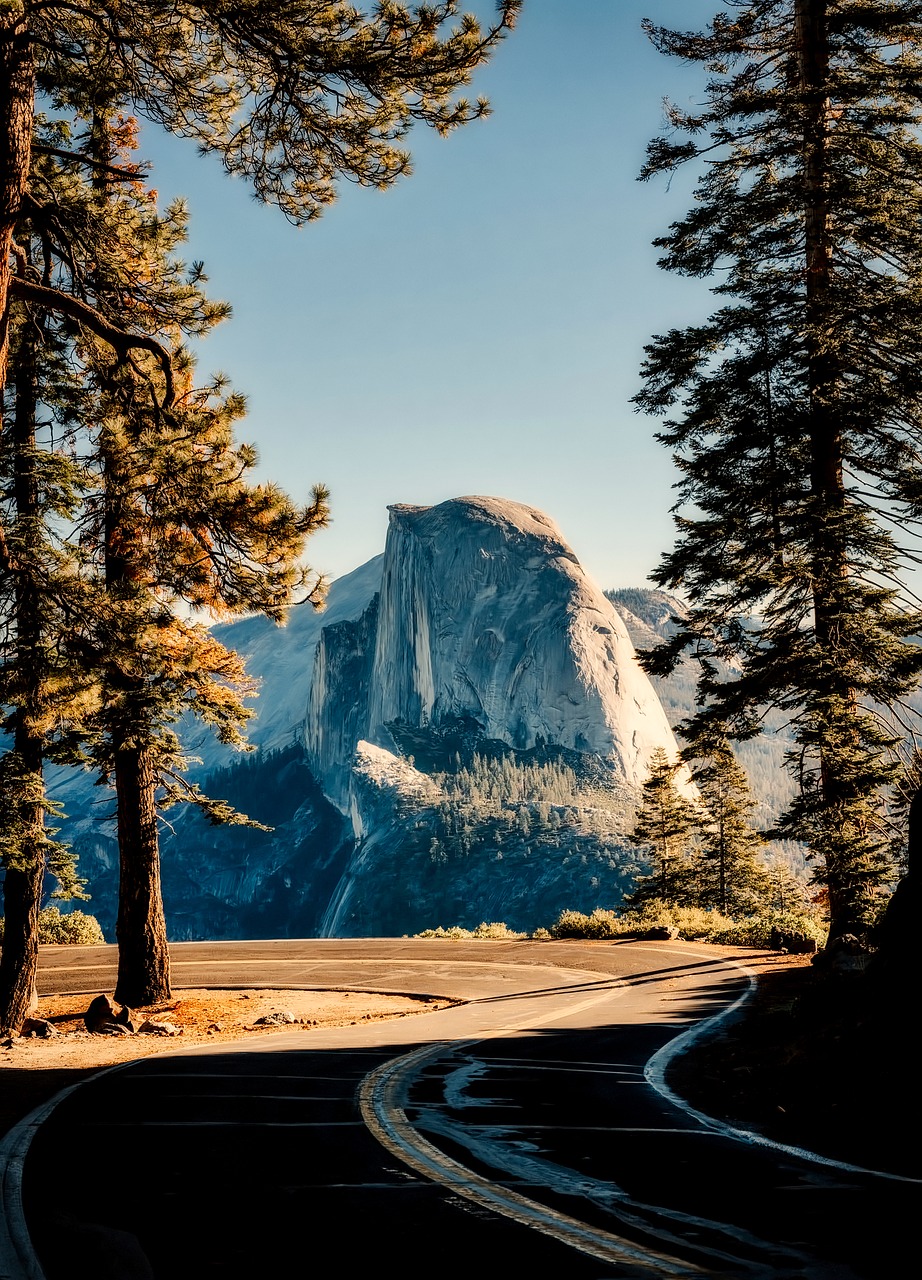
479 327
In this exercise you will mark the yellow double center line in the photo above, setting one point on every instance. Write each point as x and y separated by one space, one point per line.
381 1099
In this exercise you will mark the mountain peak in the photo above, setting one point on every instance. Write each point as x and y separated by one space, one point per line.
485 622
502 512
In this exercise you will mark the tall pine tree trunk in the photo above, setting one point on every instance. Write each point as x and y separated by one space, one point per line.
827 486
22 900
17 93
25 871
143 954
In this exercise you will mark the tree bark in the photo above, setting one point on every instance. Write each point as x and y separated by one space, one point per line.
17 105
24 876
143 954
140 930
829 557
22 896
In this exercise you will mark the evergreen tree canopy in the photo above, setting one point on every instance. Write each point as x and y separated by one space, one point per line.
292 94
155 506
127 498
666 822
729 875
797 406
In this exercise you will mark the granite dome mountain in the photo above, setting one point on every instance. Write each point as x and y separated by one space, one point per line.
459 736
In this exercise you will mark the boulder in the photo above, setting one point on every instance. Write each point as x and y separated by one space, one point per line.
153 1028
280 1019
104 1014
845 954
39 1027
797 944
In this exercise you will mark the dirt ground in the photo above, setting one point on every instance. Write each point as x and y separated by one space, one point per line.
33 1069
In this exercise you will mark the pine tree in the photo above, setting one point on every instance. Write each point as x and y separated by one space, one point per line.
729 875
798 403
291 94
166 515
665 822
40 590
176 521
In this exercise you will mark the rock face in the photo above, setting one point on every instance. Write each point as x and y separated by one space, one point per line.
485 622
337 712
459 737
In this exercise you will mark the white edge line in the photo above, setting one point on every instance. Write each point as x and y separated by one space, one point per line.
658 1065
18 1259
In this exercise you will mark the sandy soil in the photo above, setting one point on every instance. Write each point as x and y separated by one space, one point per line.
202 1016
33 1070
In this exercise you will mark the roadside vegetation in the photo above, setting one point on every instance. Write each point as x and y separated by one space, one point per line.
694 924
74 928
495 929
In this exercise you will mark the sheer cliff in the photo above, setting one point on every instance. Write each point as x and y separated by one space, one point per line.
460 736
486 625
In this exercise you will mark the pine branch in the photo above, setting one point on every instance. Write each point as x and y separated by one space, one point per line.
109 170
121 340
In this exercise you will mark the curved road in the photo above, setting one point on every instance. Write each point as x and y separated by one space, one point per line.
526 1127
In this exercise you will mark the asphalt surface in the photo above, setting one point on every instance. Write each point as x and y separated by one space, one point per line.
518 1129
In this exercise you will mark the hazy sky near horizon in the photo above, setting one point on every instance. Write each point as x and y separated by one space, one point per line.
477 329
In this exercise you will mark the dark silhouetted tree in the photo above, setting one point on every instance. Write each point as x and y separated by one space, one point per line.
797 406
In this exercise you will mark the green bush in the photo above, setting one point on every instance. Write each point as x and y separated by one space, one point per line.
72 927
494 930
755 932
691 923
694 924
601 924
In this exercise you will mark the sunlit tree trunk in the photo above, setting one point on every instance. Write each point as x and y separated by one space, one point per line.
24 873
17 93
143 954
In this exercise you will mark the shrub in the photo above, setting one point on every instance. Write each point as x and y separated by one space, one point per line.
755 931
692 923
72 927
601 924
497 929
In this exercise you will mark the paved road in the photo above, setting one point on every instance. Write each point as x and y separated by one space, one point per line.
517 1129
